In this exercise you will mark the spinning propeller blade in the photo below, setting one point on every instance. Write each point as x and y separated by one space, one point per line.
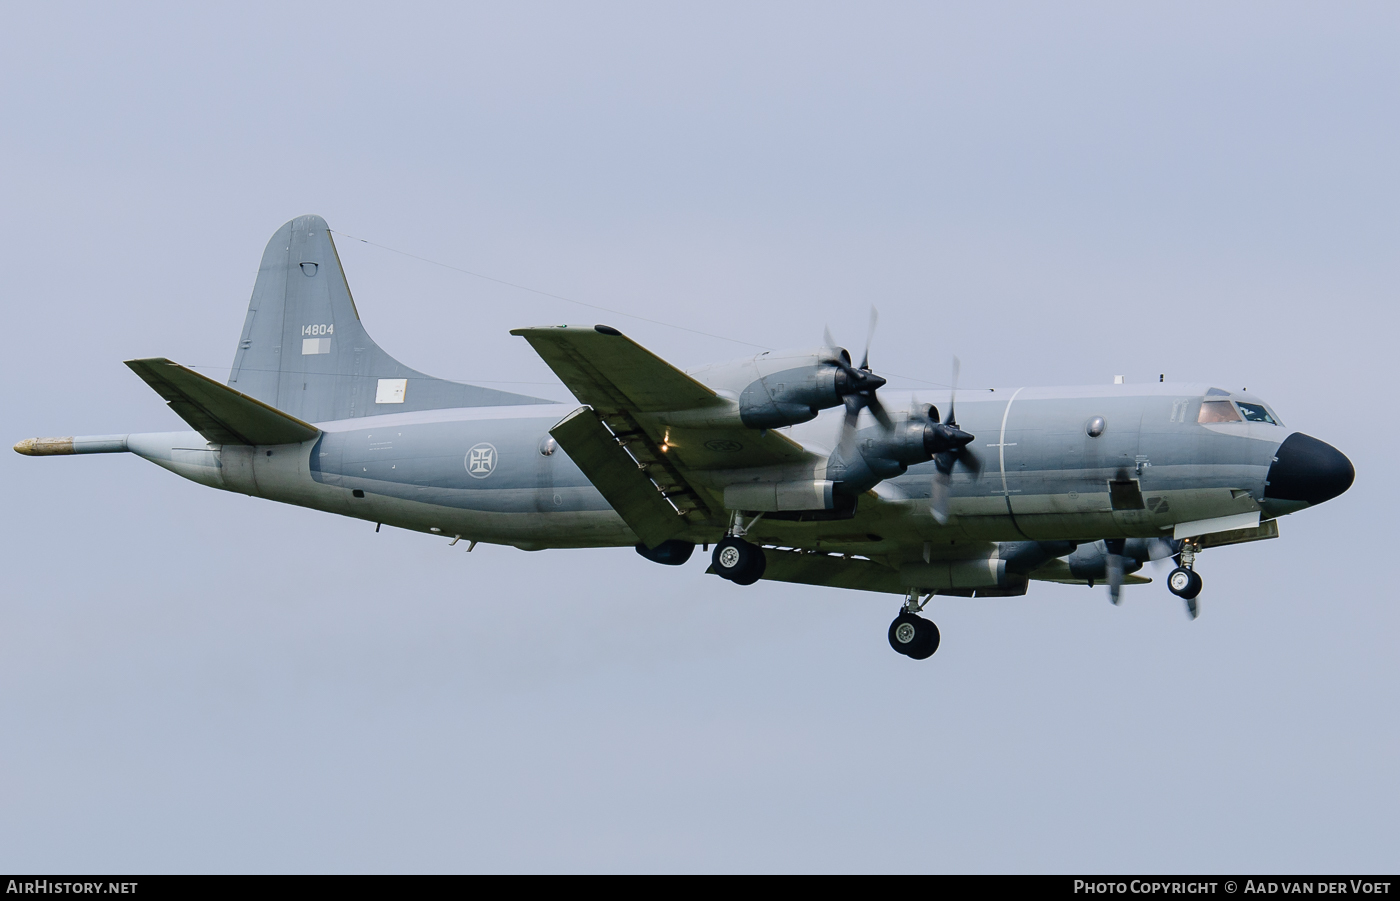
954 441
1113 561
1160 551
858 387
869 335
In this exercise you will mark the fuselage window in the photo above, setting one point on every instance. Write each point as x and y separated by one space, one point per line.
1218 411
1256 413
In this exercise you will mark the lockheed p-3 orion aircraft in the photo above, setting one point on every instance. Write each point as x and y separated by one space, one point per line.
1079 485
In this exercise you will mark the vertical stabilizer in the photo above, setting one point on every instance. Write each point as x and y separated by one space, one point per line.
304 351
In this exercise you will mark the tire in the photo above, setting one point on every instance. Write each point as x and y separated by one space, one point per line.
1184 583
758 565
738 561
908 636
927 640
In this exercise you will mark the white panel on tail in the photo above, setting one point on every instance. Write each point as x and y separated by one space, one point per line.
391 391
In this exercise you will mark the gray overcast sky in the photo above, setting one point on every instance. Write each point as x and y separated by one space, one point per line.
194 680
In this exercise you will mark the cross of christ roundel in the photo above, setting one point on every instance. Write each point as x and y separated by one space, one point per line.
481 461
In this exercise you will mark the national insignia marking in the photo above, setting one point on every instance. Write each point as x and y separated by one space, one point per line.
481 461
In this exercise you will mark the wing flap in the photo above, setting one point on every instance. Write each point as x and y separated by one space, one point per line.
218 412
619 477
831 570
1058 571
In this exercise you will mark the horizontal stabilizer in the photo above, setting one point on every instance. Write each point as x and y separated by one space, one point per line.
614 472
218 412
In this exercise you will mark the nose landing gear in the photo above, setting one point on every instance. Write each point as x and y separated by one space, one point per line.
911 635
1183 581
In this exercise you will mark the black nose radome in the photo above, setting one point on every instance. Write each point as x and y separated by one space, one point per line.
1305 469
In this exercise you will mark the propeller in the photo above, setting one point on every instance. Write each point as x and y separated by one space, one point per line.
1117 554
950 449
1161 551
1113 561
857 386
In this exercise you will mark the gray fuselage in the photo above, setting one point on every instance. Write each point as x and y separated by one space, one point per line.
493 474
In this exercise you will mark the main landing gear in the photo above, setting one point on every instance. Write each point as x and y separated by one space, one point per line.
1184 581
911 635
739 561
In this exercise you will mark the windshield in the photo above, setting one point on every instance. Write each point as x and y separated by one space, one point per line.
1256 413
1218 411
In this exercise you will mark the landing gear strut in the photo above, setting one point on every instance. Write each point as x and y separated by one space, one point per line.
911 635
1184 581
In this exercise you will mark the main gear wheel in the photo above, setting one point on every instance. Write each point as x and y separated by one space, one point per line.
739 561
913 636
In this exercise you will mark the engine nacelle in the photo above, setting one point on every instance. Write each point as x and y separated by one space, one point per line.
783 388
886 454
1090 561
956 574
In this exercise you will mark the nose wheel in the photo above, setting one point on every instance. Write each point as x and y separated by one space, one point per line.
1184 581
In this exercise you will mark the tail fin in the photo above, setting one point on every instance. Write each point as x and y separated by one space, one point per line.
304 351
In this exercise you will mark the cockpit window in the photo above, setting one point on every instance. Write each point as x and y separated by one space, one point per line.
1218 411
1256 413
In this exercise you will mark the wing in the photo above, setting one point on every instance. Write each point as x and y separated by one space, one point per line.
671 425
609 371
831 570
629 384
838 570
